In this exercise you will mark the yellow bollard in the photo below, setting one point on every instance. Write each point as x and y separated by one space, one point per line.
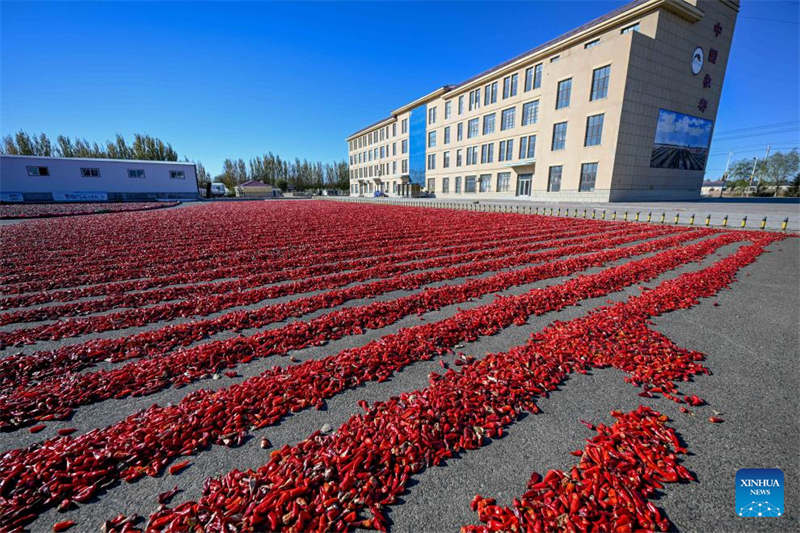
784 224
744 222
637 216
603 216
708 220
625 216
763 222
691 220
584 213
725 222
663 217
576 213
649 216
614 216
594 214
677 217
559 212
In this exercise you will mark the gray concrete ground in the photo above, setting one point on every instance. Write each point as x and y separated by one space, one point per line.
755 209
752 343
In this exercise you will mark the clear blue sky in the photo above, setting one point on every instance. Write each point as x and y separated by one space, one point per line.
238 80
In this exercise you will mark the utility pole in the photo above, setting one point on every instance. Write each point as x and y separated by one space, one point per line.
725 174
755 164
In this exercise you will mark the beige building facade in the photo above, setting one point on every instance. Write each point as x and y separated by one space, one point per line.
619 109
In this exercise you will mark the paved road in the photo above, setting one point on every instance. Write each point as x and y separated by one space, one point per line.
776 210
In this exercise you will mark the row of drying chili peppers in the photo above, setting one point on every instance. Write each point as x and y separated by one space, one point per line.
20 370
56 398
164 259
270 260
11 211
345 480
293 268
58 471
315 278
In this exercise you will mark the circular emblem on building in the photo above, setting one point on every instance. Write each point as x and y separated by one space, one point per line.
697 60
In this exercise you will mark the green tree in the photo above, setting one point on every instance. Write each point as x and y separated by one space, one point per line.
779 167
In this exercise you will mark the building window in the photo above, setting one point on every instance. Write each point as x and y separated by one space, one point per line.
446 160
533 77
432 115
474 99
564 93
136 173
508 118
469 154
487 153
554 179
588 177
594 130
38 171
461 104
458 157
177 175
458 184
404 146
490 94
394 149
446 185
600 78
503 181
431 184
431 139
485 183
431 161
448 109
506 150
527 147
530 113
90 172
554 59
469 184
628 29
510 86
559 136
394 129
488 124
591 44
472 128
404 126
447 135
394 167
404 166
460 131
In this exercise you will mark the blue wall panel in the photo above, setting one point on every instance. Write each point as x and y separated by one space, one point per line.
417 143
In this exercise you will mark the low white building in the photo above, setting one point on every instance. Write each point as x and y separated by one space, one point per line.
65 179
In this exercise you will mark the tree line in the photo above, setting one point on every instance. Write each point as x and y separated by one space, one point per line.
775 171
272 169
285 174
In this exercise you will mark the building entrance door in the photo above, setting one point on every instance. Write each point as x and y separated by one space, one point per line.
524 184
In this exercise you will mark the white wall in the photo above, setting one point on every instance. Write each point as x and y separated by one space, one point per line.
65 176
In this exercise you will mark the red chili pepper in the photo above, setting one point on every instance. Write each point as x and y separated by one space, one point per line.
63 526
177 467
715 420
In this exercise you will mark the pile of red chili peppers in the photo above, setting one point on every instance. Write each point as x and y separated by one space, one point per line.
347 479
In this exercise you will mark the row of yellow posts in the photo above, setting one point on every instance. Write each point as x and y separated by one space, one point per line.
557 211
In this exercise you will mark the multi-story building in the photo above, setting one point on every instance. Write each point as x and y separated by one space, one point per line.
621 108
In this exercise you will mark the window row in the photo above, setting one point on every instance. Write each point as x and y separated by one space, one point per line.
592 137
470 184
588 177
378 135
382 169
95 172
381 152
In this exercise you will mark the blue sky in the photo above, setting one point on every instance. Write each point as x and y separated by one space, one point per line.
240 79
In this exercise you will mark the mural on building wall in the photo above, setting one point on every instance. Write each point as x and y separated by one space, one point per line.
681 141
